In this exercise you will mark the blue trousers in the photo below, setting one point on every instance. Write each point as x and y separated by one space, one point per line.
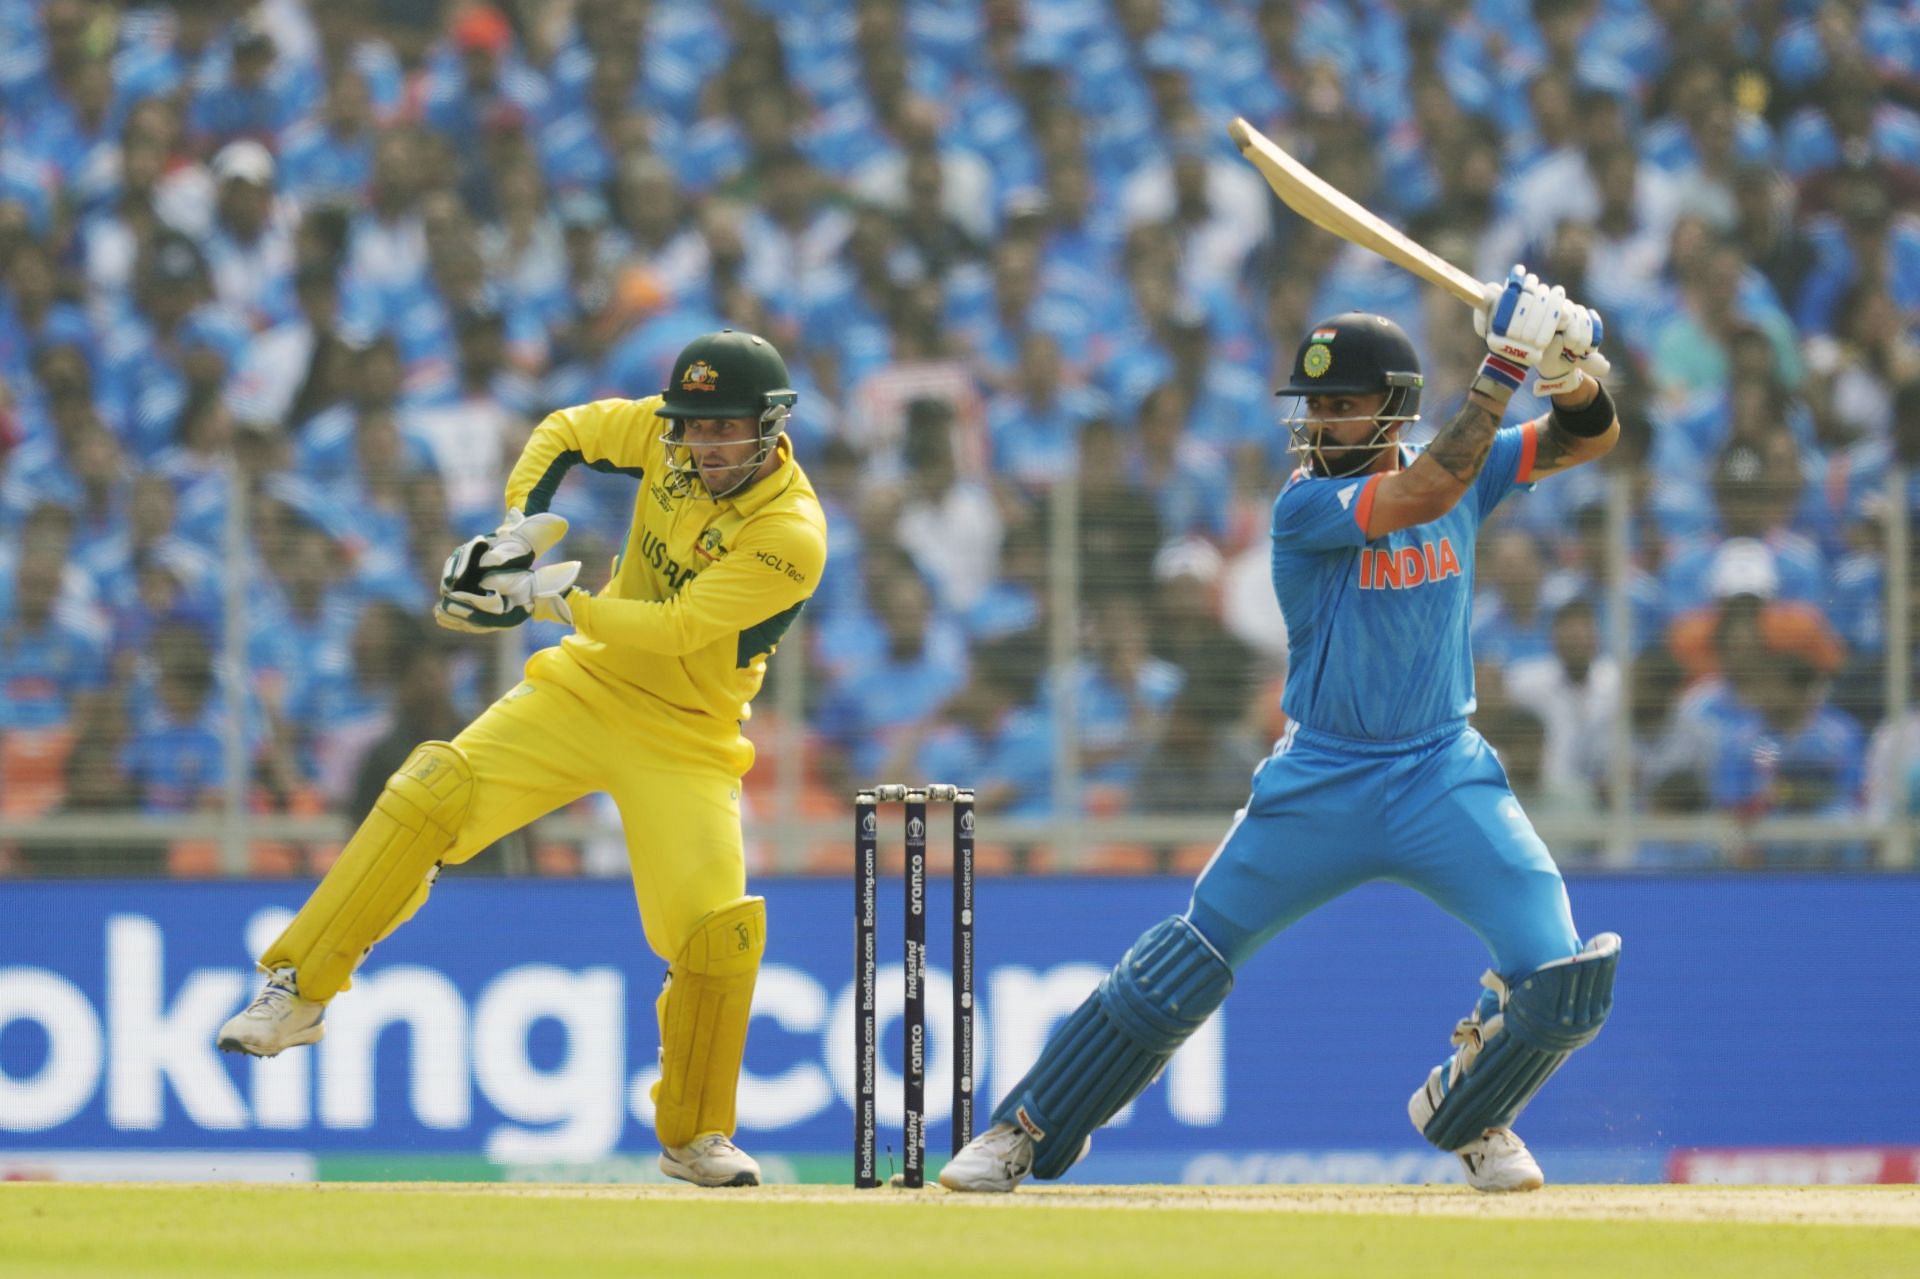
1435 813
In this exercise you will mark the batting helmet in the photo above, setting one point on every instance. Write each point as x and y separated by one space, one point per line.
1354 354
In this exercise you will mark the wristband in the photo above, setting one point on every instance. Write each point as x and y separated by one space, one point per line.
1590 419
1499 378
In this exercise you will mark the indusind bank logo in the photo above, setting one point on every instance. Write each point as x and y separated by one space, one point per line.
1397 569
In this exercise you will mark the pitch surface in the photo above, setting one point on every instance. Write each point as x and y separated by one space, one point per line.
51 1231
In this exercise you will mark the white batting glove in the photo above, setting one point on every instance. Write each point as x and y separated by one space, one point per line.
1520 317
1571 355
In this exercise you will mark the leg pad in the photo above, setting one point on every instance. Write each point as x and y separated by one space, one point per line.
703 1022
1503 1061
383 873
1117 1042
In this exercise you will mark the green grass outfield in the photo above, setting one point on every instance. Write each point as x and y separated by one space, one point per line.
371 1231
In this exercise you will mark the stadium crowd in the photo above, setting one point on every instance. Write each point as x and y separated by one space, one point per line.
309 274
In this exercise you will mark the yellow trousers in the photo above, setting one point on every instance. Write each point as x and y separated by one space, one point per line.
563 733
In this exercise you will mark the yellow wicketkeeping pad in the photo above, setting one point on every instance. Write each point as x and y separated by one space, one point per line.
703 1022
383 874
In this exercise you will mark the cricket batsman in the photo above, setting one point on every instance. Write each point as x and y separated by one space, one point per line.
1379 775
644 700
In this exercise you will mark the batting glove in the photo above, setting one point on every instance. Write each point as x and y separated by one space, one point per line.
1571 354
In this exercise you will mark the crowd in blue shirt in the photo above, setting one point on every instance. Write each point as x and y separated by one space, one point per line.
283 287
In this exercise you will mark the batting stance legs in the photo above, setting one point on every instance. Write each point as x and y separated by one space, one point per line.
1325 816
540 747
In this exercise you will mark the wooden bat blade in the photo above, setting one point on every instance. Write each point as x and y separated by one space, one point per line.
1324 205
1316 200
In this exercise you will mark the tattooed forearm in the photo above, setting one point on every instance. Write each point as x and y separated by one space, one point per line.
1554 448
1462 445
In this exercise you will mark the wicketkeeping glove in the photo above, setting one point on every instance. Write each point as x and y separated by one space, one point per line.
489 583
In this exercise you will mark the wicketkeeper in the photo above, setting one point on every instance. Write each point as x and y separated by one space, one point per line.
643 701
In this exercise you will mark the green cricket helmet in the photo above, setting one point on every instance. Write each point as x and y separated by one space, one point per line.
728 374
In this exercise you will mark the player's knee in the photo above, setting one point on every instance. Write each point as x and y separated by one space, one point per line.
1167 984
431 792
726 941
1562 1006
1232 942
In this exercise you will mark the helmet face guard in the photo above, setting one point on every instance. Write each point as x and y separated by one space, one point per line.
1309 442
683 467
724 376
1352 354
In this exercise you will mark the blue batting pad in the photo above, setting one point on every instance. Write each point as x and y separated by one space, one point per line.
1117 1042
1542 1019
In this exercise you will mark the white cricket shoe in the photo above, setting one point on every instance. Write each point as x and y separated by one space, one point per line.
710 1159
1499 1162
277 1019
995 1162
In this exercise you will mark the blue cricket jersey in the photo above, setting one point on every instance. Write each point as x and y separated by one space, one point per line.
1378 630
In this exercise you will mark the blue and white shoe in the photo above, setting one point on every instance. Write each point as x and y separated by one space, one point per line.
277 1019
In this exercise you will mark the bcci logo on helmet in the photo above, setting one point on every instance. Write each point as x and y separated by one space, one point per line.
1317 360
699 377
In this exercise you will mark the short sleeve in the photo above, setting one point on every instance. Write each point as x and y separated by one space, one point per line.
1509 465
1314 514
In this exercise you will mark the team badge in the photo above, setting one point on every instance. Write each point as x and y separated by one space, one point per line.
1317 360
708 547
699 377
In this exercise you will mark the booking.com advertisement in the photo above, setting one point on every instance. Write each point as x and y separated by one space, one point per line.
1764 1030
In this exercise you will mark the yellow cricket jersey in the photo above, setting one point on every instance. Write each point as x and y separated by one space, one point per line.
704 589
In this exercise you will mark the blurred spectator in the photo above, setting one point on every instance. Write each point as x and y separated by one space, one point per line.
1511 618
53 646
329 156
1200 764
175 758
421 710
1121 692
1572 690
991 731
1119 527
876 712
948 523
254 96
1036 425
250 249
1792 754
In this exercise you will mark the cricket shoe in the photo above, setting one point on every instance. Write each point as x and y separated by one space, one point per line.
277 1019
995 1162
711 1159
1499 1162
